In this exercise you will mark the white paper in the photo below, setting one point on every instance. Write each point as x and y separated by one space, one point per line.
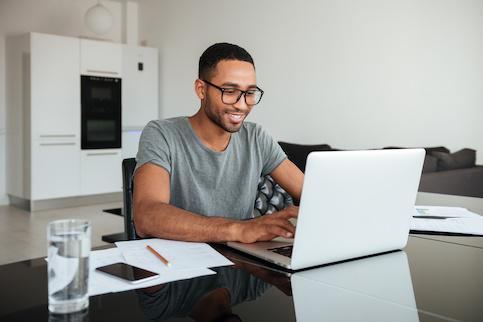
64 270
171 276
98 258
100 283
443 211
188 260
181 255
461 220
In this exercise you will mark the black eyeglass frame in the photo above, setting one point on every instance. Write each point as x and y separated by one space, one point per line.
244 93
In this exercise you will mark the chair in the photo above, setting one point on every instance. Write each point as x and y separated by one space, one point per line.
129 233
270 197
128 166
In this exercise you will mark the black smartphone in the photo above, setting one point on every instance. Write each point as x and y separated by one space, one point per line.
127 272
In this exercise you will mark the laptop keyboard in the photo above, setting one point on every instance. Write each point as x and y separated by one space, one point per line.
283 250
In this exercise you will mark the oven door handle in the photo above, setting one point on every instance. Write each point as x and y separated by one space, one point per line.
57 143
102 153
57 135
102 72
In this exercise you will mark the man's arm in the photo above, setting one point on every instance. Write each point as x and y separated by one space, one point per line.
155 217
290 178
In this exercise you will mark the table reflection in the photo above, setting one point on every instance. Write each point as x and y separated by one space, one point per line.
377 288
374 288
81 316
211 298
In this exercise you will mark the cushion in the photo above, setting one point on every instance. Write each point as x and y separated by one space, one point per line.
428 150
297 153
430 164
465 158
270 197
436 149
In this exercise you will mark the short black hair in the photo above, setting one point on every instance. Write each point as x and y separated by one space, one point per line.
218 52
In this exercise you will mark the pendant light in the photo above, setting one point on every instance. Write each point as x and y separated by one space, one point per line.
98 19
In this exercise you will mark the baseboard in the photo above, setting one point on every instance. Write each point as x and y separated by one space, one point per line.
4 200
39 205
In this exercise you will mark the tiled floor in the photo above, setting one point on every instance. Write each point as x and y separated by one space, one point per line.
23 233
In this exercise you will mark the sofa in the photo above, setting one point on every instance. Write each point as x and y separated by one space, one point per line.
443 172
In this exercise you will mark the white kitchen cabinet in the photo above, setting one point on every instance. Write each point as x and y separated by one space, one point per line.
54 86
101 171
55 169
43 117
100 58
139 95
140 86
130 143
44 159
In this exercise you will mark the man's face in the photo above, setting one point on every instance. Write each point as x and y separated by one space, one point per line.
233 74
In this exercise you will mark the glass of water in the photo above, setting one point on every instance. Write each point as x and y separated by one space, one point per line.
68 247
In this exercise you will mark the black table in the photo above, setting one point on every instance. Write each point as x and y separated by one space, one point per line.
434 278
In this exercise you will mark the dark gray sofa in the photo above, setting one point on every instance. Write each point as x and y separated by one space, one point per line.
443 172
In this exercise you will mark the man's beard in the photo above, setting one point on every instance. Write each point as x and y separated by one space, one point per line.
217 117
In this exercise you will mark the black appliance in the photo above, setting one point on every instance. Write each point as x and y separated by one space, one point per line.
100 112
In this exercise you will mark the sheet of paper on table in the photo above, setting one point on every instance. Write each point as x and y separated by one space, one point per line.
446 220
188 260
181 255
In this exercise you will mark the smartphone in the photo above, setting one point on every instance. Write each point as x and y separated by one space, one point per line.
127 272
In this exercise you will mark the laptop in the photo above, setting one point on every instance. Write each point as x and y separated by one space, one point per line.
353 204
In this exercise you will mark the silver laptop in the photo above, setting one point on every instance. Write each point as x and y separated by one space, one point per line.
353 204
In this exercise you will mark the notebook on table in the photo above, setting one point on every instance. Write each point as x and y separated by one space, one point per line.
353 204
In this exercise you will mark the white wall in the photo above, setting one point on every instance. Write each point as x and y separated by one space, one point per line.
350 73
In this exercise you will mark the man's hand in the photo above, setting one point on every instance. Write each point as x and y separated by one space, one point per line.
267 227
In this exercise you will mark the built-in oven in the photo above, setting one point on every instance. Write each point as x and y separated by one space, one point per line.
100 112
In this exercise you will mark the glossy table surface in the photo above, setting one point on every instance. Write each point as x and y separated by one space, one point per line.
434 278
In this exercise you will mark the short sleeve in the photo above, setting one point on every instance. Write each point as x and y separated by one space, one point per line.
272 153
154 146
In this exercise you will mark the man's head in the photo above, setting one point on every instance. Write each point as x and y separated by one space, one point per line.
227 85
218 52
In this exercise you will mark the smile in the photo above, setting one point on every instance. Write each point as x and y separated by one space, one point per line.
235 116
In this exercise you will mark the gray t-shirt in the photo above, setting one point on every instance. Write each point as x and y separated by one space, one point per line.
204 181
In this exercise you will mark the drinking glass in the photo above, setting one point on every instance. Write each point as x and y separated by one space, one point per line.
68 246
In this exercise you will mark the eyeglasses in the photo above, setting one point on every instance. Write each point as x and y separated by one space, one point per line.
231 95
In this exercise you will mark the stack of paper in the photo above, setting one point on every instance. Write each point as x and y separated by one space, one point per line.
187 260
446 220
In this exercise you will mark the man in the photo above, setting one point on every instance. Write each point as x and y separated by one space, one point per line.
196 178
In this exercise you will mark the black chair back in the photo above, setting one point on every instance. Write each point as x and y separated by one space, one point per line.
128 166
